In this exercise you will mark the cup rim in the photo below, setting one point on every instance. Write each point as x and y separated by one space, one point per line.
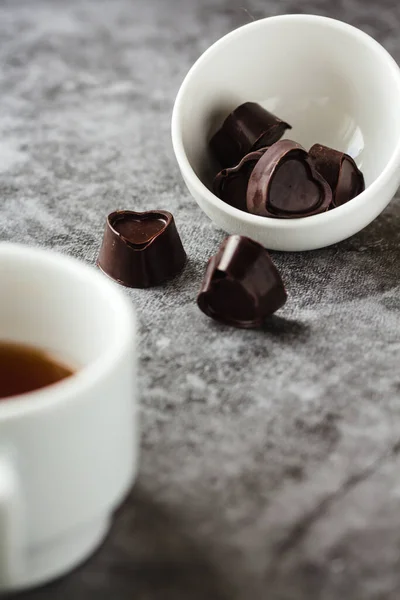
266 222
83 379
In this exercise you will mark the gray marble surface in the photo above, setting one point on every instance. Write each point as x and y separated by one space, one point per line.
270 463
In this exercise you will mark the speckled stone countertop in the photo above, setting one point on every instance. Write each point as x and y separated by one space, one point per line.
270 463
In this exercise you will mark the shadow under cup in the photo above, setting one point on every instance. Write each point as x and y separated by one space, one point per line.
67 451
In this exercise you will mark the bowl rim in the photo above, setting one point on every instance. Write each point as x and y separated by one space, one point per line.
256 220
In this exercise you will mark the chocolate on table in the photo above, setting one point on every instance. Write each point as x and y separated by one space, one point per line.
231 184
249 127
285 184
241 285
340 171
141 249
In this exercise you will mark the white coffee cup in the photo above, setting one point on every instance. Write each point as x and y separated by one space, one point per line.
68 452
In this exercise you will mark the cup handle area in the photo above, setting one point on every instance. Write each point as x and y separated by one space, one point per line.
10 525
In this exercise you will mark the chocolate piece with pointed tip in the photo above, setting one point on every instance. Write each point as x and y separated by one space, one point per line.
249 127
141 249
340 171
241 285
231 184
284 184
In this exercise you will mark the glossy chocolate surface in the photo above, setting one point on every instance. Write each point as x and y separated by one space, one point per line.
141 249
139 232
249 127
284 184
241 285
340 171
231 184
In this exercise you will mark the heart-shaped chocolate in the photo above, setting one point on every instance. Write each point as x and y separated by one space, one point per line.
141 249
340 171
284 184
139 229
249 127
241 285
231 184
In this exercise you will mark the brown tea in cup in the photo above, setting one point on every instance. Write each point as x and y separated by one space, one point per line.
25 368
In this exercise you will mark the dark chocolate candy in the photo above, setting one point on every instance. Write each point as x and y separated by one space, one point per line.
241 285
340 171
284 184
249 127
231 184
141 249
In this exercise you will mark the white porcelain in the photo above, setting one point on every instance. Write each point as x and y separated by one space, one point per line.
334 84
68 452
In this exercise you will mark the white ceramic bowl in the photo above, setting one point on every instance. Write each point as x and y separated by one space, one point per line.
333 83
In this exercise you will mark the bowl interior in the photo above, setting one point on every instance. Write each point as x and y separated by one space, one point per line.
332 83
